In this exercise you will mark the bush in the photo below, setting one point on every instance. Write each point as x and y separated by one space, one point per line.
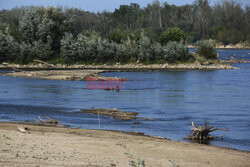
68 48
206 49
92 48
9 48
175 51
43 51
172 34
116 36
27 53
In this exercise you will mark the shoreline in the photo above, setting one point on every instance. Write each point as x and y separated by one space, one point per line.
227 47
166 66
84 72
53 146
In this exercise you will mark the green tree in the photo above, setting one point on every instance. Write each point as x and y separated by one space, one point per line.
206 49
9 48
116 36
175 51
29 22
172 34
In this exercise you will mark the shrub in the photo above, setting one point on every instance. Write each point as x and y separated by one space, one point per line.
175 51
144 45
206 49
172 34
92 48
68 48
116 36
26 53
9 48
43 51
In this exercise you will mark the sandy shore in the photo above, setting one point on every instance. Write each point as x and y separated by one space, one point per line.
229 46
71 75
82 72
135 67
50 146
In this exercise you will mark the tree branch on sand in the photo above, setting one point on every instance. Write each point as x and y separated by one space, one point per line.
201 133
50 121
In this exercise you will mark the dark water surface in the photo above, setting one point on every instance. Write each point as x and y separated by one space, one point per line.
171 98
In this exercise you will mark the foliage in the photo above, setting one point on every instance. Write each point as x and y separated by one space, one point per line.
9 48
93 48
116 36
206 49
198 21
128 34
172 34
175 51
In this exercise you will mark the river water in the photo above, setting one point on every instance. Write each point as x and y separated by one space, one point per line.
171 98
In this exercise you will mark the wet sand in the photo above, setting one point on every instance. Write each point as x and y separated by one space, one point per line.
71 75
51 146
82 72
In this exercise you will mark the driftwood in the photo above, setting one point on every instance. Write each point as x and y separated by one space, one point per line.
42 62
120 115
201 133
49 121
14 69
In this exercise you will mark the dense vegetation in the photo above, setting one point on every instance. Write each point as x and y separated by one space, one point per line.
206 49
156 33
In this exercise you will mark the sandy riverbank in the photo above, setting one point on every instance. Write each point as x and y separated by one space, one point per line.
50 146
244 45
131 67
81 72
71 75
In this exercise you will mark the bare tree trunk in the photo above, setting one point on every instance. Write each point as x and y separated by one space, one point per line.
160 21
127 21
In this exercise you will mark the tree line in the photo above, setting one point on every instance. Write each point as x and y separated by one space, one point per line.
130 33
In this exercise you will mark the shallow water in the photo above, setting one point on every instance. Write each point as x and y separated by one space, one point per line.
171 98
237 54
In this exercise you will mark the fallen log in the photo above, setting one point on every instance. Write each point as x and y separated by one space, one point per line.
42 62
50 121
120 115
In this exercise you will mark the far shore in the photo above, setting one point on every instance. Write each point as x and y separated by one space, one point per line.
53 146
237 46
83 72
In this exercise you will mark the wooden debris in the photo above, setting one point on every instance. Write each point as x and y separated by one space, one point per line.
24 129
50 121
120 115
14 69
201 133
42 62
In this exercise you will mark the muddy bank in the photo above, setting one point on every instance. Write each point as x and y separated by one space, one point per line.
114 113
50 146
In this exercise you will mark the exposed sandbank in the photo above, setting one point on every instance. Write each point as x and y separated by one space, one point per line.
82 72
71 75
50 146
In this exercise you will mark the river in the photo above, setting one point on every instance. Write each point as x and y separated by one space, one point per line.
171 98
